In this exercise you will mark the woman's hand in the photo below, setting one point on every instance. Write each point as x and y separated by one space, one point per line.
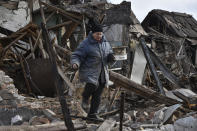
75 66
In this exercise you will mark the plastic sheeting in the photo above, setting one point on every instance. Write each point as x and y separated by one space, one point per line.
139 65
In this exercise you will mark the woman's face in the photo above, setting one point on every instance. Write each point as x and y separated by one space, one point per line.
97 36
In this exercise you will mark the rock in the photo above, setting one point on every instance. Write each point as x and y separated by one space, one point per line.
132 114
159 116
126 117
6 114
8 100
17 120
7 80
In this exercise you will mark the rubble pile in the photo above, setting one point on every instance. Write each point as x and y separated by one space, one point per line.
152 83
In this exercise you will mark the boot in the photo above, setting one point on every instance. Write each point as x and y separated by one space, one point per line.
95 117
85 105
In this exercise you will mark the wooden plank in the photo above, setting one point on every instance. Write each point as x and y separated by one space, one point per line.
36 42
20 47
31 47
35 45
43 52
111 113
140 90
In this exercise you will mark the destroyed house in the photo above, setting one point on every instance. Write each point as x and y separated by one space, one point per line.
174 39
174 24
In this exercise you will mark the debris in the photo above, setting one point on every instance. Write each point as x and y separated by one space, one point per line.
106 125
140 90
164 114
187 123
40 91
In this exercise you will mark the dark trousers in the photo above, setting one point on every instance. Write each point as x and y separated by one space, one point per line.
95 92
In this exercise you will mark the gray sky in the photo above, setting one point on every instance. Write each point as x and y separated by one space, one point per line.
142 7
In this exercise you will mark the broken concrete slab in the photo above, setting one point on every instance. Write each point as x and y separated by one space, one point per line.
186 124
106 125
164 114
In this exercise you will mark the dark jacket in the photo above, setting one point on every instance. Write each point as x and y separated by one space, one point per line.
89 57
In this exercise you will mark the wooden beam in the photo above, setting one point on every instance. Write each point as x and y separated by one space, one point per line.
111 113
50 16
57 80
140 90
31 32
20 47
13 42
71 16
30 5
151 65
66 51
31 47
69 32
59 25
122 101
35 44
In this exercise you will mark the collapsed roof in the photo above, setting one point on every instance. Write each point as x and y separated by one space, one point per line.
177 24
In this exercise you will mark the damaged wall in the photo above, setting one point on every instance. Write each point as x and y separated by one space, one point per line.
14 19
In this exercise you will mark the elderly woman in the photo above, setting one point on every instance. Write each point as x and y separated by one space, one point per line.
92 57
